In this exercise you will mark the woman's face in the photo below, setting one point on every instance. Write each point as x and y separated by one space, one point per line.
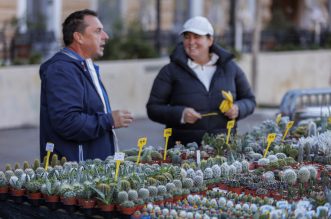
197 46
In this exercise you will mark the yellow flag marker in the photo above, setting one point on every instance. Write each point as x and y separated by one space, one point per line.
329 119
271 137
166 133
229 126
278 118
49 149
119 157
227 103
288 126
209 114
141 143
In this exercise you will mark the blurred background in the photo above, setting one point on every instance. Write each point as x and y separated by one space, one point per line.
280 44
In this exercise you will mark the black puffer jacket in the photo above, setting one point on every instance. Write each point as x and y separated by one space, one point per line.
177 86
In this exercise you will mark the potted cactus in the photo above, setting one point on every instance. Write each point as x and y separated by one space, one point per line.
128 207
17 190
50 189
3 186
86 195
33 190
105 196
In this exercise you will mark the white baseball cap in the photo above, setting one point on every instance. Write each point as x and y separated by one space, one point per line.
198 25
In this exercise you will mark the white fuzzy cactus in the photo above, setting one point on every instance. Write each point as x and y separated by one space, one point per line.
190 173
263 161
216 171
208 173
245 166
238 166
232 170
313 171
269 176
290 176
187 183
198 181
303 174
272 158
225 170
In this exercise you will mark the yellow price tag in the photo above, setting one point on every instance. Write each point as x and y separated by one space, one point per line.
49 149
167 133
141 143
278 118
288 126
118 162
271 137
329 119
118 157
229 126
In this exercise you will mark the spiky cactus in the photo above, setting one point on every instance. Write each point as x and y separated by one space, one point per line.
3 180
152 190
190 173
313 172
303 174
170 187
188 183
132 195
143 193
290 176
8 174
122 196
26 165
216 171
161 190
178 183
198 181
225 170
245 166
208 173
263 161
125 185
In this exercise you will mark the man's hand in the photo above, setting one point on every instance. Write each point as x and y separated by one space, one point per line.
233 113
122 118
190 115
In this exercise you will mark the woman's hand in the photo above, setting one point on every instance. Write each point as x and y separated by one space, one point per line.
233 113
190 115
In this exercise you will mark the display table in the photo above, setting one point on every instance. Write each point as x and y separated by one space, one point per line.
24 209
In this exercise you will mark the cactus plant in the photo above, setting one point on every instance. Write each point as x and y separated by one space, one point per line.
3 180
303 174
152 190
216 171
143 193
122 196
132 195
187 183
290 176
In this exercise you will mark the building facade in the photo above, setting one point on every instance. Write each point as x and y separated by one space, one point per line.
33 27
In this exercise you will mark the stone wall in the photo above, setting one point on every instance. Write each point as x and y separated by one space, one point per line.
129 82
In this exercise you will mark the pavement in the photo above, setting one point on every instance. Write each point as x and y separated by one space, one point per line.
22 144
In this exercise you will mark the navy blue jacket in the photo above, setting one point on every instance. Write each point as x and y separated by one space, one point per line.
177 86
71 111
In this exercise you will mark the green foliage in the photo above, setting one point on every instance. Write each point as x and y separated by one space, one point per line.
129 45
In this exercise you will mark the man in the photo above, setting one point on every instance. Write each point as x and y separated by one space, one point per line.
75 114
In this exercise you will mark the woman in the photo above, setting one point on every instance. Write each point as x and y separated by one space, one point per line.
190 87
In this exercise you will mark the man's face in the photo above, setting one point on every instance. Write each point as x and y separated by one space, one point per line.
93 39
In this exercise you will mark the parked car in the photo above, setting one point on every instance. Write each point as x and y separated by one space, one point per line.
300 104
